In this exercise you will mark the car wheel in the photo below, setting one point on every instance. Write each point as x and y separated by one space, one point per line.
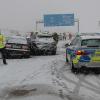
74 70
8 56
53 52
66 58
72 67
27 56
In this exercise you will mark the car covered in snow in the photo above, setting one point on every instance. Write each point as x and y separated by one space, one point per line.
17 46
44 44
84 52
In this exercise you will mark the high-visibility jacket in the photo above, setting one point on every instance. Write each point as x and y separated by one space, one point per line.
2 41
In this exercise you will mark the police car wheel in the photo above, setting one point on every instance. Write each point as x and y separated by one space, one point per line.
66 58
74 70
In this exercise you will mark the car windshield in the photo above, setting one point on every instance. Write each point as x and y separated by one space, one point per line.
90 42
45 37
17 40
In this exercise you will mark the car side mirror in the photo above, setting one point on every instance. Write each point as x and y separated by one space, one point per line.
67 44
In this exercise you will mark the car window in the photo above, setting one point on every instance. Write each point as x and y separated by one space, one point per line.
17 40
45 38
90 42
75 41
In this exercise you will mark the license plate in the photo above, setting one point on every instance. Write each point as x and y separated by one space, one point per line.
97 55
96 59
98 51
15 46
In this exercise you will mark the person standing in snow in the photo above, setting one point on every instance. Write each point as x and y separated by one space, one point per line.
55 37
2 48
70 36
64 36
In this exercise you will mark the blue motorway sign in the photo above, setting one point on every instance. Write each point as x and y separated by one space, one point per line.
59 20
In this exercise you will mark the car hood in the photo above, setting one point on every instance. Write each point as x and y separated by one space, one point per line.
44 41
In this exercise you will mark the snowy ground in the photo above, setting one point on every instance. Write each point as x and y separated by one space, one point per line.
46 78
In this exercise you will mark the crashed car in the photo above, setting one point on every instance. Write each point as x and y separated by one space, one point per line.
44 44
84 52
17 46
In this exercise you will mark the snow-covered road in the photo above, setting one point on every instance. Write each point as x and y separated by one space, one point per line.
79 87
46 77
25 72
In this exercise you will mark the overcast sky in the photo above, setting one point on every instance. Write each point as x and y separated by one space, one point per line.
22 14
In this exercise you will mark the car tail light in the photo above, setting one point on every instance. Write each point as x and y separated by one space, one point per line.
24 47
81 52
8 46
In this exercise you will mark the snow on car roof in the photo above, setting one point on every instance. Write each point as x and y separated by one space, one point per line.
21 37
90 36
44 35
89 33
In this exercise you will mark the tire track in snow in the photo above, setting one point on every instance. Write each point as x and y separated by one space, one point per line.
59 74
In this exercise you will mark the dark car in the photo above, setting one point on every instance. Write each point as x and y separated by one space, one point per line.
44 44
17 46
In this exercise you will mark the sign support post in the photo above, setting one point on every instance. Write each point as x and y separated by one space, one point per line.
38 22
78 25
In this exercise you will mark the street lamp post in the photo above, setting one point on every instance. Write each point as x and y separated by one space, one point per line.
38 22
78 25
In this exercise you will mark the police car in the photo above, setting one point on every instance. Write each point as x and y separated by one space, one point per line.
84 52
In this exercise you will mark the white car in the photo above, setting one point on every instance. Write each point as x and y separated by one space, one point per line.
44 44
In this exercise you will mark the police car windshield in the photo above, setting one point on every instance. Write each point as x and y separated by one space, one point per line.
91 42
